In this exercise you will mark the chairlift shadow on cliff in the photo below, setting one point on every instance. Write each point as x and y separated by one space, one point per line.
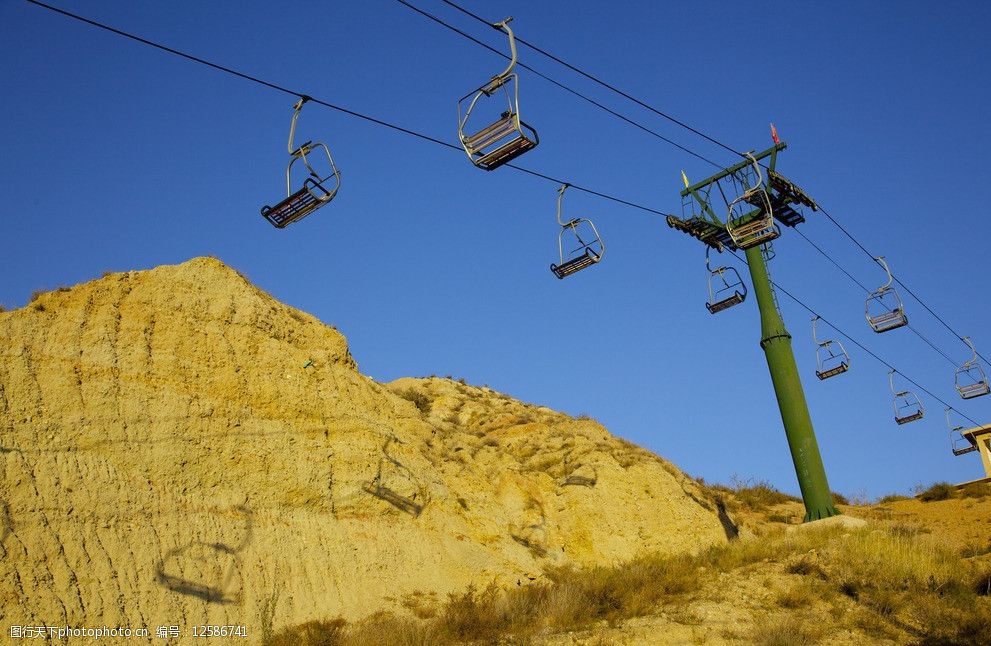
393 472
6 523
585 475
530 530
205 554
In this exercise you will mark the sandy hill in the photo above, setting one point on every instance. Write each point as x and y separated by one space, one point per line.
178 448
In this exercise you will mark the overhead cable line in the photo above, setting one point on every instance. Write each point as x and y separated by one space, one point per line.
862 346
601 82
903 285
722 145
868 291
332 106
564 87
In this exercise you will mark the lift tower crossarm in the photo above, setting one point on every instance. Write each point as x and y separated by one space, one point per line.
771 152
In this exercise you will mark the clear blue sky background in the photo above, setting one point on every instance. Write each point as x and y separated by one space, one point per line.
117 156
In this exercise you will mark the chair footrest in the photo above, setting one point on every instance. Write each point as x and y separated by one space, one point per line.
975 390
724 304
909 418
832 372
889 321
576 264
504 153
297 206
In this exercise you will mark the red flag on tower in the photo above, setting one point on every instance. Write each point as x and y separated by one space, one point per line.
774 134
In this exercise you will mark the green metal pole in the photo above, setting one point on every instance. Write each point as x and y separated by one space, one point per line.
776 343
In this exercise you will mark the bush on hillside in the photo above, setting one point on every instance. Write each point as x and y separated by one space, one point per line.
938 491
420 400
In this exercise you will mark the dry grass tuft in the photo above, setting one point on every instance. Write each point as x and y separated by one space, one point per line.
312 633
419 399
839 499
798 596
902 586
786 630
975 490
754 495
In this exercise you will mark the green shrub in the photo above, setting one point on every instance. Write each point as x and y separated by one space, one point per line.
839 499
938 491
892 497
420 400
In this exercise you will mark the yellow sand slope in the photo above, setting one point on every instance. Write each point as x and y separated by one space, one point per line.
170 456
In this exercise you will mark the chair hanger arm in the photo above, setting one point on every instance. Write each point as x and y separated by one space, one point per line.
504 26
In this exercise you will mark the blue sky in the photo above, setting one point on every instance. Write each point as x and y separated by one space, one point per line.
118 156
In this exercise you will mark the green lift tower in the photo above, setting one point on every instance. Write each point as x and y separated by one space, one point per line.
757 199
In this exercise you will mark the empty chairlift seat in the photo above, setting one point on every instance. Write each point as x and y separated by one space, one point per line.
831 357
971 381
726 288
300 204
884 308
500 142
907 405
749 227
584 246
960 444
317 189
508 137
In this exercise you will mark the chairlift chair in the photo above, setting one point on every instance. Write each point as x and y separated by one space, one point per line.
959 443
908 407
507 138
589 247
759 228
830 362
884 309
726 288
315 191
970 378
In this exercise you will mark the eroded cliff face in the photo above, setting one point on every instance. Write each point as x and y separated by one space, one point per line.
178 448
